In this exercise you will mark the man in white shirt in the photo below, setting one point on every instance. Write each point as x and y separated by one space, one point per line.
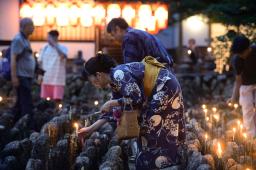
53 61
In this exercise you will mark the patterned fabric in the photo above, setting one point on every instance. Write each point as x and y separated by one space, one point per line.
161 119
54 65
138 44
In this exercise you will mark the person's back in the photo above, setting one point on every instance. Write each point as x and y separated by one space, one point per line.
247 67
137 44
145 45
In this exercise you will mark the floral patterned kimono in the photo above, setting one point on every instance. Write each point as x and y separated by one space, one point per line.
161 118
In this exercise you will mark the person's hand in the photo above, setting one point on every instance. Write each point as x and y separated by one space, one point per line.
85 131
15 81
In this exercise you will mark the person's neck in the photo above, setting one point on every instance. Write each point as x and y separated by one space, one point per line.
24 34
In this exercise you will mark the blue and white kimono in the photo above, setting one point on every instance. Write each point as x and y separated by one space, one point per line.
161 119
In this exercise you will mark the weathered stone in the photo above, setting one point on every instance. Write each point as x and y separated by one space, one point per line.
194 160
12 148
82 162
40 148
204 167
11 163
34 164
33 137
230 162
177 167
208 159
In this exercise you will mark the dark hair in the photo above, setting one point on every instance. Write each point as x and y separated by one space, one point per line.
240 43
54 33
99 63
120 22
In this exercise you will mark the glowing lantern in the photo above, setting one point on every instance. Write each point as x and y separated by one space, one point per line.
144 12
113 11
140 25
128 14
99 13
38 17
73 14
195 23
62 18
50 12
161 15
86 19
151 24
26 11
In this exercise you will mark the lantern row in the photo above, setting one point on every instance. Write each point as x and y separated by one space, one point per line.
148 17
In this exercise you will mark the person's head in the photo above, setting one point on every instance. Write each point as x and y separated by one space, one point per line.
26 26
53 35
191 42
117 28
97 70
241 46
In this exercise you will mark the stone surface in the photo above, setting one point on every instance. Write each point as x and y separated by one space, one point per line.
34 164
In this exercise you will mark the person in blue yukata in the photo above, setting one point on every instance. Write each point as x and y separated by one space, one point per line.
137 44
161 116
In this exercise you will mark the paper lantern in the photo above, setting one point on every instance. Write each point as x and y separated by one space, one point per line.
128 13
99 13
50 12
144 12
62 18
38 14
161 15
26 11
74 13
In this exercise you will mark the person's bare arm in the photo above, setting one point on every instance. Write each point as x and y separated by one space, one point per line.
15 81
235 93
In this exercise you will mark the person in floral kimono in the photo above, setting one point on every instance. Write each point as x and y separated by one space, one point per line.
161 118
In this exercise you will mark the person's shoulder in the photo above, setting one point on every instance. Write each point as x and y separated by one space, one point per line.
17 37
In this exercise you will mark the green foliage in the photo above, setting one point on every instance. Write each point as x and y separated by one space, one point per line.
228 12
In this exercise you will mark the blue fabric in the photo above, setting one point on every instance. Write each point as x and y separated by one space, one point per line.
161 118
138 44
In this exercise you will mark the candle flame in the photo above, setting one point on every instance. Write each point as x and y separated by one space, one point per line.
238 123
229 104
189 52
214 109
1 98
235 105
219 150
60 106
76 125
205 110
204 106
207 118
217 117
96 102
245 135
206 136
234 130
48 98
241 127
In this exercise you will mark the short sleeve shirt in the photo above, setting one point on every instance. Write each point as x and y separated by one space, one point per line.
20 47
246 67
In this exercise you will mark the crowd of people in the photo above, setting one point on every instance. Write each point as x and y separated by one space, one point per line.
159 97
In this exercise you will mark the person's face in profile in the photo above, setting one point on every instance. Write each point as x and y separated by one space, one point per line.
117 34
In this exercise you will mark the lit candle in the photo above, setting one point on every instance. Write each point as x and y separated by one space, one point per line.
85 123
1 98
60 106
235 105
219 150
48 98
203 106
205 112
229 104
189 52
96 102
234 133
209 49
76 128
